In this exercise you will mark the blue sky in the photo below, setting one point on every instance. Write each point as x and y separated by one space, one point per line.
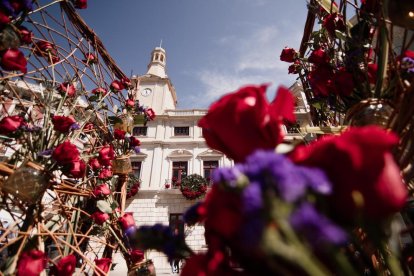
213 46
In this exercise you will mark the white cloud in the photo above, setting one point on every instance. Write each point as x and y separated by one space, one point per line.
254 60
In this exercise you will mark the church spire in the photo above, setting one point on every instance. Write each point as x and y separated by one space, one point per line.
157 64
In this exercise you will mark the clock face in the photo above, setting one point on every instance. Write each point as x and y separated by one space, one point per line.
146 92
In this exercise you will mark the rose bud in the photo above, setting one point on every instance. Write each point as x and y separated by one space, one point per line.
31 263
129 103
334 22
10 124
26 36
13 59
134 142
94 163
288 55
80 4
119 134
99 90
100 217
77 168
90 59
101 190
62 123
136 255
319 56
67 88
116 86
106 154
105 173
4 18
66 266
126 82
126 221
150 113
104 264
88 126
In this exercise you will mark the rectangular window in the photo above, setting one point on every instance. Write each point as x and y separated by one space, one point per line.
176 223
136 168
208 167
140 131
181 131
178 172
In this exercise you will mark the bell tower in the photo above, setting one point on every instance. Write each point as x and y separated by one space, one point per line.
154 89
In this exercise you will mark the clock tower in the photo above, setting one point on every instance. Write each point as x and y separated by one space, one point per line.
154 89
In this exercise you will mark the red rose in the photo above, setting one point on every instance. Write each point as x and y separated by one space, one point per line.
136 255
288 55
31 263
344 82
321 80
150 113
46 49
294 68
134 142
77 169
90 58
116 86
101 190
126 82
13 59
243 121
319 56
65 153
80 4
62 123
65 267
126 221
67 88
119 134
106 154
26 36
130 103
94 163
105 173
10 124
359 163
100 217
4 18
99 90
334 22
104 264
88 126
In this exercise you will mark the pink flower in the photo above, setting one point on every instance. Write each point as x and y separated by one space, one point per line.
65 267
100 217
31 263
10 124
62 123
101 190
12 59
116 86
26 36
90 59
126 221
243 121
288 54
126 82
366 180
46 49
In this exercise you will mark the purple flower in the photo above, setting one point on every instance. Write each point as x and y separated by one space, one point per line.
276 170
315 227
74 126
316 179
47 152
137 149
252 198
227 175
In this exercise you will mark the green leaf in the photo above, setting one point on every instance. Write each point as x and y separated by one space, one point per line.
326 5
114 205
317 105
104 206
340 35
